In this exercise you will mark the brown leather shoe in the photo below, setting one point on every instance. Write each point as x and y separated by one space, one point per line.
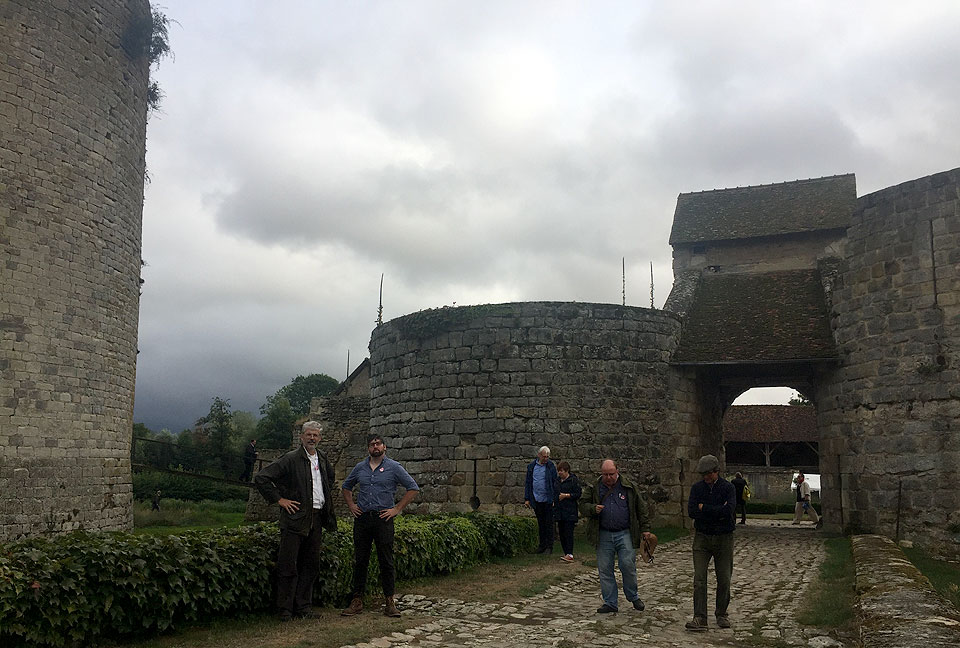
390 608
355 607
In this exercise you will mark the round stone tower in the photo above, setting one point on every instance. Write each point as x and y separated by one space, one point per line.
465 396
73 104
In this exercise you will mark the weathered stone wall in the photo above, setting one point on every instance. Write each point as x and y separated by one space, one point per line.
482 387
889 418
767 254
346 424
72 132
896 604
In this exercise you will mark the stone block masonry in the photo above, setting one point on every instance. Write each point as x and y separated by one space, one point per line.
73 106
480 388
890 437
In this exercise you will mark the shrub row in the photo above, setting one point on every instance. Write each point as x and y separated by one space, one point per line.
767 508
77 588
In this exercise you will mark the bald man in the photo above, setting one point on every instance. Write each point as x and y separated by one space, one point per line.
617 525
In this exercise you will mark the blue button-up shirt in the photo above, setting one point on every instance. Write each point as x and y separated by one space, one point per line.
541 490
374 490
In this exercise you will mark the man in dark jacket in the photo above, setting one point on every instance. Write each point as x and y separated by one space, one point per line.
617 524
712 503
538 494
300 483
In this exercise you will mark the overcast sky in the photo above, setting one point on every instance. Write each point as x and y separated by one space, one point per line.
485 152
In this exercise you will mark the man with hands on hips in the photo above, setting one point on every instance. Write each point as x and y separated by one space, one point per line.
375 480
300 482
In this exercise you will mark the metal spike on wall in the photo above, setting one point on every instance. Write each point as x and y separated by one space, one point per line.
651 284
380 307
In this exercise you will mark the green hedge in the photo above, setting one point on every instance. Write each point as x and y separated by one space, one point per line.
80 587
769 508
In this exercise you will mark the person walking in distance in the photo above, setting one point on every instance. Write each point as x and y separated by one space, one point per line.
804 505
740 483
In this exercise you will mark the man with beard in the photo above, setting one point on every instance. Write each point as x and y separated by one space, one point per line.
300 482
376 479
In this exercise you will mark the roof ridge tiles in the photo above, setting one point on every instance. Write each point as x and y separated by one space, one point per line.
766 184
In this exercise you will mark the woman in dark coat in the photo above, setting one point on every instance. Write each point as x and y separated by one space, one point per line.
565 507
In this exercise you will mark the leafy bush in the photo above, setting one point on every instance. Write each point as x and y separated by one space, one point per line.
77 588
148 482
769 508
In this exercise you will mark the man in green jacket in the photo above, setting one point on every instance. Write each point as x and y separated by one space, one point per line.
617 523
300 483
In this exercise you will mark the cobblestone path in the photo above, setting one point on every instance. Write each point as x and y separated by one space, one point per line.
774 562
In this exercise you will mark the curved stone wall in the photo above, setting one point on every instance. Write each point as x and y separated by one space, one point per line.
72 132
890 437
480 388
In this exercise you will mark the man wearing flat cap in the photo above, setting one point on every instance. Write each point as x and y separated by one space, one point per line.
712 505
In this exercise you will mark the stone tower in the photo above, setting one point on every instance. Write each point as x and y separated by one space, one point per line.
73 105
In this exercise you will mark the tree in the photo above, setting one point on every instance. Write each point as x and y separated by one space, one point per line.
218 427
275 429
245 427
303 389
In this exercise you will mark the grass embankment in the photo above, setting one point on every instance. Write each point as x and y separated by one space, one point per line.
176 516
943 575
830 603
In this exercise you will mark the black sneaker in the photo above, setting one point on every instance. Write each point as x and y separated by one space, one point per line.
723 621
638 605
819 523
606 609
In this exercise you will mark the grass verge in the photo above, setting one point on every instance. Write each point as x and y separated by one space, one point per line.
831 604
943 575
176 516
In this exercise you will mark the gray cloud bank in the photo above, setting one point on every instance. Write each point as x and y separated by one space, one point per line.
485 152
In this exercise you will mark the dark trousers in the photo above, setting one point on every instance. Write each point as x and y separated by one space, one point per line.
566 535
247 471
544 513
298 565
369 528
741 509
720 548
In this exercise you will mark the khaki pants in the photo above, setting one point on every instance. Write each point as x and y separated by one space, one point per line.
798 513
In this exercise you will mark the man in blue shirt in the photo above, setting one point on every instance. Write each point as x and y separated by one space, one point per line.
617 523
375 479
712 505
538 493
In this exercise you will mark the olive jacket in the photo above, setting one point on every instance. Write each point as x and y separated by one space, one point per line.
289 477
639 520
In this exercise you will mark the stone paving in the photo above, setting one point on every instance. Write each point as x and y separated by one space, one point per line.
773 563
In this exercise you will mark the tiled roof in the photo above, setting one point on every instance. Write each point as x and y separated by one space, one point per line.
765 210
760 423
768 317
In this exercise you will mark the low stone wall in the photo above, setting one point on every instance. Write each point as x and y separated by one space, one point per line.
897 605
